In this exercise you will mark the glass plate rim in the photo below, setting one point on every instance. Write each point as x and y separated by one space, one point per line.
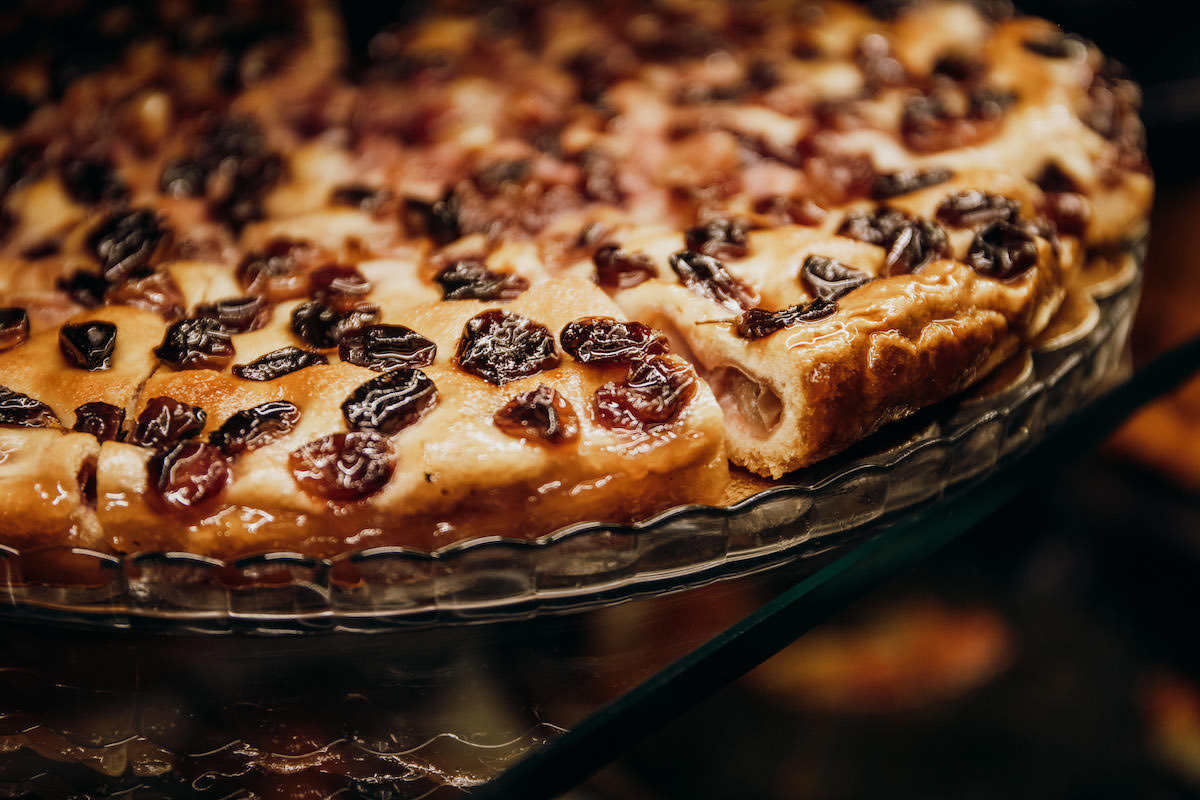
296 602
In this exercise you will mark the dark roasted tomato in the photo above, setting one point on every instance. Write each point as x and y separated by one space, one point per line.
390 402
500 346
758 323
653 394
541 415
188 474
1002 251
196 343
88 345
14 327
165 421
604 340
101 420
238 314
469 279
278 363
708 277
829 279
343 467
323 327
386 347
620 269
22 411
254 427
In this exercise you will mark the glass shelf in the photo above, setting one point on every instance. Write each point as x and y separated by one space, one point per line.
534 699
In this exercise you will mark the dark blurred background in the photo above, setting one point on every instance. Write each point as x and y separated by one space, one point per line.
1156 40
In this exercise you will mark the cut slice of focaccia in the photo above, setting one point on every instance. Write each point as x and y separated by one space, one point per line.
813 337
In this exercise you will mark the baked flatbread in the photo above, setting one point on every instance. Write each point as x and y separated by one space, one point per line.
276 278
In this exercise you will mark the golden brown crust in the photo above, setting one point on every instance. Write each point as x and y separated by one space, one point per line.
44 496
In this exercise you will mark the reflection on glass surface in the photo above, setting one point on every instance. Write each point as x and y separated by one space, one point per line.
395 714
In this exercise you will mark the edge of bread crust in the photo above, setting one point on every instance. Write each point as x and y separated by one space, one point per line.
810 391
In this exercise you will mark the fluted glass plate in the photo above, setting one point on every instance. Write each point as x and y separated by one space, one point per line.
897 472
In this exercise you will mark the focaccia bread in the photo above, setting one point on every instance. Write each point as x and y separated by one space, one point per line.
436 421
320 278
869 332
512 447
